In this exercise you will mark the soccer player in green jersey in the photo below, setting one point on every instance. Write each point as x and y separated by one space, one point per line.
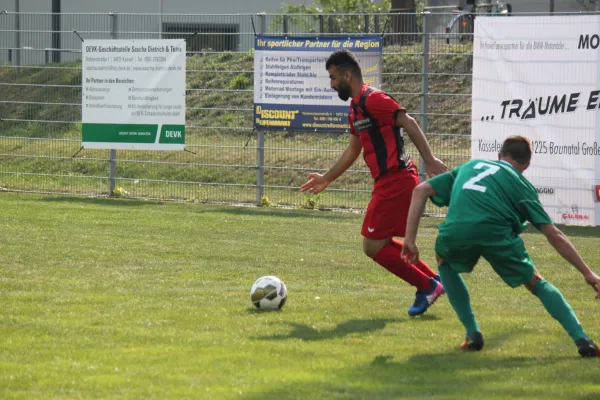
489 204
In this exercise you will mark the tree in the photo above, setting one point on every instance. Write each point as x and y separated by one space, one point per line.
327 16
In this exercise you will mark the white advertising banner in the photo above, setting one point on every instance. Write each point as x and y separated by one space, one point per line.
539 77
133 94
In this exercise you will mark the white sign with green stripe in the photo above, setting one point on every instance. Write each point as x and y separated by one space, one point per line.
133 94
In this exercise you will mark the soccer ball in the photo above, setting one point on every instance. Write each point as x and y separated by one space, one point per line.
268 293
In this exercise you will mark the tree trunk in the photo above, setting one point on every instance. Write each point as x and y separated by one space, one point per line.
403 5
404 24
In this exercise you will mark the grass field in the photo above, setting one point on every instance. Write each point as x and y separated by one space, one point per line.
124 299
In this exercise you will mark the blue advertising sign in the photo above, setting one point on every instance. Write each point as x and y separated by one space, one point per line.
291 84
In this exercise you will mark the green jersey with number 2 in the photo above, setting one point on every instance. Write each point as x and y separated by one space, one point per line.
487 201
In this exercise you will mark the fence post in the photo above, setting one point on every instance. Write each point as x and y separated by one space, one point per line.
56 28
112 154
160 18
260 135
367 23
260 162
424 86
263 23
112 169
114 27
17 36
321 23
286 23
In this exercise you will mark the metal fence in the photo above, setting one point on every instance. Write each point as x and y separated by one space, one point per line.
426 66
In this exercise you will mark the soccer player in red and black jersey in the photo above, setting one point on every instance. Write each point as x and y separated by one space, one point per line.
375 120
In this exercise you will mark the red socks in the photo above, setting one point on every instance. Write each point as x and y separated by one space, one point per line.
390 258
420 264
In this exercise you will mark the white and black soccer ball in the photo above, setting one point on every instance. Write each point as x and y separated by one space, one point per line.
268 293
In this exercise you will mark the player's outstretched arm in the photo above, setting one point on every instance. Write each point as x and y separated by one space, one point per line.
567 250
433 165
410 251
316 183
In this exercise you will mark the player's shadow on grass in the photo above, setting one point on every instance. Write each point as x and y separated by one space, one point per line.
453 374
352 326
456 374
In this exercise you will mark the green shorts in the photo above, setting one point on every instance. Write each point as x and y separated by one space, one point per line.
508 257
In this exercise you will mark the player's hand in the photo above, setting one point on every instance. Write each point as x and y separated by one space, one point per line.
315 183
435 167
594 281
410 252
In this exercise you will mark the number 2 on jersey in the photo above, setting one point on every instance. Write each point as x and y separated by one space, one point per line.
488 169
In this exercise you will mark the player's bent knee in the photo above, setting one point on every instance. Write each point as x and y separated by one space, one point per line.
534 281
372 247
367 248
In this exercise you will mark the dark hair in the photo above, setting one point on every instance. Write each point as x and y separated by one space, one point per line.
518 148
345 60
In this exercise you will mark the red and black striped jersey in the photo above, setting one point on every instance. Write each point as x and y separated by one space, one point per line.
372 118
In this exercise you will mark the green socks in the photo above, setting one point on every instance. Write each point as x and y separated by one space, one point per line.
549 295
459 298
558 308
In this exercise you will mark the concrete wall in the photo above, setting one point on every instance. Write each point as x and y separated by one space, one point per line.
141 19
92 19
29 25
